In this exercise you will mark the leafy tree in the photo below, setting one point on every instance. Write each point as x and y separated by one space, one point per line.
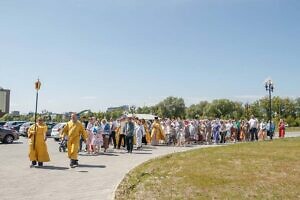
224 108
171 107
197 110
7 117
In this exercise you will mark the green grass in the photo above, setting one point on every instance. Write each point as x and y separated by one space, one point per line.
261 170
293 129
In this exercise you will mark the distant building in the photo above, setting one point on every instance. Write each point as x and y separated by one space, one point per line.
15 113
4 101
123 108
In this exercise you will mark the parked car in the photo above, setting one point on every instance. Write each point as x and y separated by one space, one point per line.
56 131
16 127
50 125
12 124
24 128
7 136
2 123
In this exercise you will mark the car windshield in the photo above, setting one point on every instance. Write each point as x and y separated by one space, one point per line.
57 126
27 124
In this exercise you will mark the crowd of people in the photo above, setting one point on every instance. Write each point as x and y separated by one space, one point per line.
127 131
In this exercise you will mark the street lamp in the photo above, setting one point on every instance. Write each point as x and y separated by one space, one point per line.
132 109
37 86
269 85
247 106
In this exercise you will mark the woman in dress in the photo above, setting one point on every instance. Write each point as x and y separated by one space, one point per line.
281 128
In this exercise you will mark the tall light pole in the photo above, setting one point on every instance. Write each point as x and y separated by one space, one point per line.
247 106
37 88
132 109
269 85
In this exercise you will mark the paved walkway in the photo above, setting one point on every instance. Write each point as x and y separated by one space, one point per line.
96 178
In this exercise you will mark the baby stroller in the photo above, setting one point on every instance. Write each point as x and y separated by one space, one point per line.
63 145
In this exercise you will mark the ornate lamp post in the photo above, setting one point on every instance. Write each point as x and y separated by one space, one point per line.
132 109
37 88
269 85
247 107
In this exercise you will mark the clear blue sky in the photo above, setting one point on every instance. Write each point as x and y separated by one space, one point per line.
100 53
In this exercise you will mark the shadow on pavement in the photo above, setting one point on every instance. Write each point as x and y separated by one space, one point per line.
11 143
142 153
52 168
149 147
144 150
100 154
108 154
91 166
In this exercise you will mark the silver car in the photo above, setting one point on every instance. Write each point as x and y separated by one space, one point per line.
56 131
7 136
24 128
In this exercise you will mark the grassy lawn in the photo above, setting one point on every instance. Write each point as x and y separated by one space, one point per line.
293 129
261 170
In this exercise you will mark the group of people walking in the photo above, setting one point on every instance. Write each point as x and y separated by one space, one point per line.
127 131
38 153
182 132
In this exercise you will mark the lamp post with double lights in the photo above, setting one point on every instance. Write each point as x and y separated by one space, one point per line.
269 85
132 110
247 107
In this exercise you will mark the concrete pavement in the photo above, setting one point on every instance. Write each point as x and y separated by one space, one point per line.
96 178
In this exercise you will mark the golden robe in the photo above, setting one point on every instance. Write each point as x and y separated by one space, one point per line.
148 136
157 133
40 152
73 130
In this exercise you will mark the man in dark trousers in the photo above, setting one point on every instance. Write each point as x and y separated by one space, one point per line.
129 127
112 135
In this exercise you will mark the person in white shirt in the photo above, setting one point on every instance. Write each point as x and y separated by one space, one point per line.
139 132
253 123
229 126
262 130
122 132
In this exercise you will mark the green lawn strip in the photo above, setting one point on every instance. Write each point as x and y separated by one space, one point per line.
293 129
260 170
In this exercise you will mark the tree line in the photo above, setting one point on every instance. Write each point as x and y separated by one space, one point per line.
174 107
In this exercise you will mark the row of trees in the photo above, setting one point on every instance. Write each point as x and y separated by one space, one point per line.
173 107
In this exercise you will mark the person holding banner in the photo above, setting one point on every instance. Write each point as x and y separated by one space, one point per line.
38 153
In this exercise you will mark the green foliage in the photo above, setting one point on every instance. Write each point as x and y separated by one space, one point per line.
171 107
224 108
197 110
58 118
113 114
144 110
7 117
238 171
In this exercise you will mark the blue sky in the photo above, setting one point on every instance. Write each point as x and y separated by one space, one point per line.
100 53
